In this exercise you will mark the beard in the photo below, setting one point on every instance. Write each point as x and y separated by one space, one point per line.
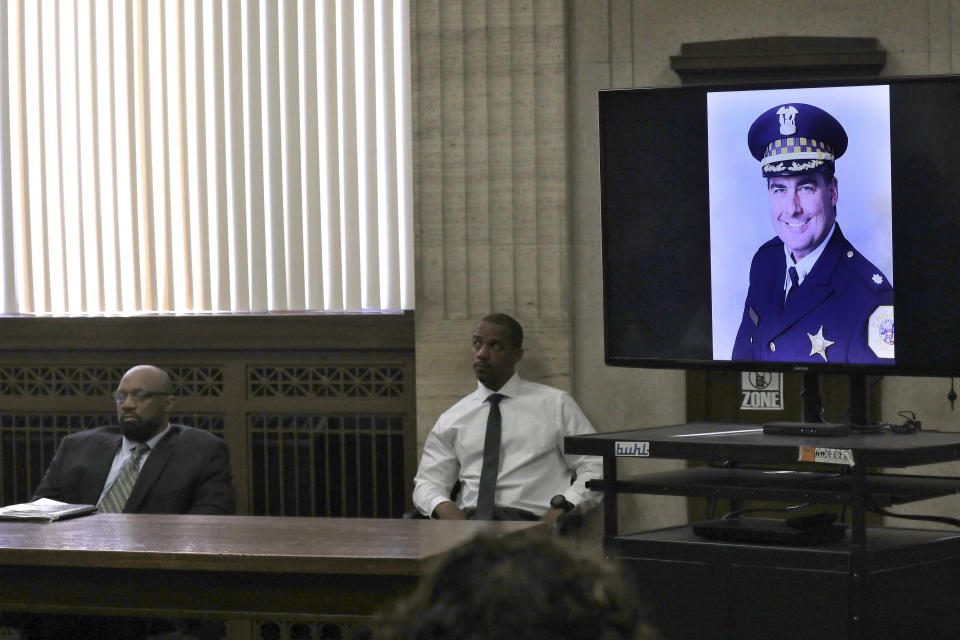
139 431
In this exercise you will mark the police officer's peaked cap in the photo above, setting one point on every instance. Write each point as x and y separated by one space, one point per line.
794 138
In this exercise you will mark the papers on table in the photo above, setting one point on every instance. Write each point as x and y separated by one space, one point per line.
45 510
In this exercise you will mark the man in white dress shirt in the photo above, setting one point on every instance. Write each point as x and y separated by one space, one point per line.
535 480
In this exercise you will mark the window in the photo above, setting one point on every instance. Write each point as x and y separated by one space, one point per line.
194 156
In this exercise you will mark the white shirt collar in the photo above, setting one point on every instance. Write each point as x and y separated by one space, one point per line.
510 388
805 265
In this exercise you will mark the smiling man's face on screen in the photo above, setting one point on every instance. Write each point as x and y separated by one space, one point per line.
802 210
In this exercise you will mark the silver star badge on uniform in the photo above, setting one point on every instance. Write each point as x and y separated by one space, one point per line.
819 344
878 278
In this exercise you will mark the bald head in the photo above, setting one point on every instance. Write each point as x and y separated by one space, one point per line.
155 377
144 398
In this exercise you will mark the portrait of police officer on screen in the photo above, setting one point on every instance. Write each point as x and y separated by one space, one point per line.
812 297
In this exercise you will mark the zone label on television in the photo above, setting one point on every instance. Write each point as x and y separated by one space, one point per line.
632 449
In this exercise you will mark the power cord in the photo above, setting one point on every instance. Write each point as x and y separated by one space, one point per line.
942 519
909 425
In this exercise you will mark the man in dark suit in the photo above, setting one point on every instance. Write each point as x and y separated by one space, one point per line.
812 297
183 470
167 468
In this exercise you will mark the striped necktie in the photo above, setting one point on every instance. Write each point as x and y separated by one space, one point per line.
116 496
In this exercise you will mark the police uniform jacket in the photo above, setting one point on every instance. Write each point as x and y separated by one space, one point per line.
834 302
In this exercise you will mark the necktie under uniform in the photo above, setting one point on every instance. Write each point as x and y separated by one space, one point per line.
491 460
116 496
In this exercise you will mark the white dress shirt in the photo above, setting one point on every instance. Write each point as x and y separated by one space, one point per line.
805 264
533 468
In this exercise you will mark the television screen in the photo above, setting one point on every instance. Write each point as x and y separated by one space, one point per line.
784 227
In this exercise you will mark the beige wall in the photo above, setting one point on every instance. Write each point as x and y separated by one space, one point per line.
507 181
491 185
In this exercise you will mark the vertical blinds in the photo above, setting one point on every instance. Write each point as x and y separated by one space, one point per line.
193 156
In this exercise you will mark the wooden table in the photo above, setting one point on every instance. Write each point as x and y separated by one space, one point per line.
222 566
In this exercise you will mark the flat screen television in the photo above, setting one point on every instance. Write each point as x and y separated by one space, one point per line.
710 193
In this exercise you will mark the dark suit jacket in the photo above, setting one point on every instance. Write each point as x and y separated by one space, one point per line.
187 472
837 297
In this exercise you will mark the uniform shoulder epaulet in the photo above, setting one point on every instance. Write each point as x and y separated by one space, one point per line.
865 269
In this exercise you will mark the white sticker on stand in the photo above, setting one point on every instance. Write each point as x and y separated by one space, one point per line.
632 449
827 455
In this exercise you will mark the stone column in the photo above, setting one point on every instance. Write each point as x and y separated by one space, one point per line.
490 188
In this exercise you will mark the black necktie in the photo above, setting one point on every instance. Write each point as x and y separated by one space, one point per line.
491 461
794 282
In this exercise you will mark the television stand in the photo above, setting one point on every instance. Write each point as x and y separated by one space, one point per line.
873 582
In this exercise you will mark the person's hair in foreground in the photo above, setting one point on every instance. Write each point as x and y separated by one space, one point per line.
522 586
